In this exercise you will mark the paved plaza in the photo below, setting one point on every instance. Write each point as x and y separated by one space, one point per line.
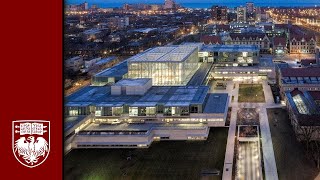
249 161
269 163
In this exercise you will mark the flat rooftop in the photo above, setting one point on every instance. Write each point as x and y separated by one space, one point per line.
165 95
116 71
216 103
172 53
301 72
229 48
266 62
70 121
105 60
141 126
132 82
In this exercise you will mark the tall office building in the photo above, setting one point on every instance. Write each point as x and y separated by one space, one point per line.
250 12
241 14
258 14
250 7
219 13
86 6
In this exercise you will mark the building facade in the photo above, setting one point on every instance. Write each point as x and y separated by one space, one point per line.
279 46
259 39
117 22
132 114
302 79
74 64
167 65
302 44
241 14
304 113
229 55
219 13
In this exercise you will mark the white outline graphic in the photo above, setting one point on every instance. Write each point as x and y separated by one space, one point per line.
13 142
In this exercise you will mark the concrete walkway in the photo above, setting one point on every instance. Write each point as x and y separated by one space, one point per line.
270 167
267 147
228 159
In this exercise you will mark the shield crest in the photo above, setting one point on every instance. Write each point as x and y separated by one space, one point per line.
31 141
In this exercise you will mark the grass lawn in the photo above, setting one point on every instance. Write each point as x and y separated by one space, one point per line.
289 153
163 160
251 93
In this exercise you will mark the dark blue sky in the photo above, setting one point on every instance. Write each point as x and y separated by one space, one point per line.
196 1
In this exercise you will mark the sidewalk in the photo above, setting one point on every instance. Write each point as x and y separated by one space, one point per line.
270 167
228 159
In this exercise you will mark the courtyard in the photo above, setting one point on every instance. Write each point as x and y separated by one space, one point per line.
289 153
163 160
251 93
247 116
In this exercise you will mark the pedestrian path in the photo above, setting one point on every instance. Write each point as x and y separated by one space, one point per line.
270 167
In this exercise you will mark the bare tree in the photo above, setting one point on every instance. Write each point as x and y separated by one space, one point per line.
315 152
315 149
305 134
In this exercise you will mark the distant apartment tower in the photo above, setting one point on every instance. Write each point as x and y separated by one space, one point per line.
126 7
169 4
250 7
241 14
118 22
250 12
86 6
258 14
219 13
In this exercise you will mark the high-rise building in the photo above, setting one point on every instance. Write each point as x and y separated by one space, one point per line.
169 4
250 7
219 13
241 14
258 14
86 6
250 12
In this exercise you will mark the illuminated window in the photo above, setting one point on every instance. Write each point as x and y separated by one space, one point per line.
133 111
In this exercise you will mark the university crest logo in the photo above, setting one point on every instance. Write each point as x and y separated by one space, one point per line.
31 141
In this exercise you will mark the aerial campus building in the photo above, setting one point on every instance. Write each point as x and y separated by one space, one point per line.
304 107
160 94
133 113
167 66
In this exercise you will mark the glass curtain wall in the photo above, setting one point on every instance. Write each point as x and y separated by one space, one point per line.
165 73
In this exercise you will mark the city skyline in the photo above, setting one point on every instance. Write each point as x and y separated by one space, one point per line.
203 1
